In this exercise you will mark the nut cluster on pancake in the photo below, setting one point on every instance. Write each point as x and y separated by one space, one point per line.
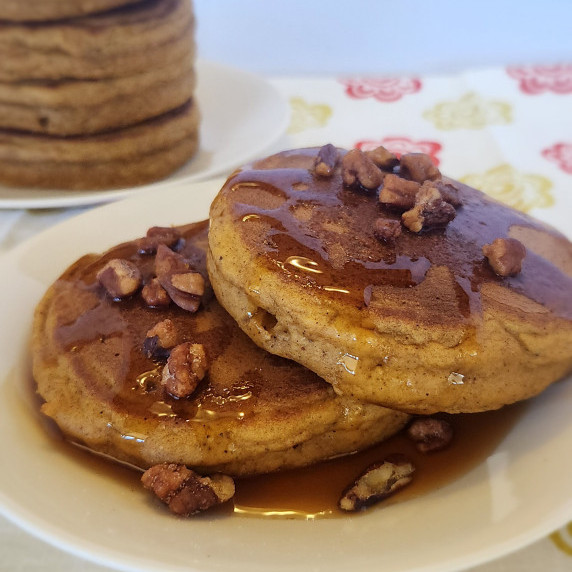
96 94
396 284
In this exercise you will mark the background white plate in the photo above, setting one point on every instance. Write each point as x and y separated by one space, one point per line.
241 115
522 492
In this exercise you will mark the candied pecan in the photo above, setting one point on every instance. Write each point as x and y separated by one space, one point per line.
160 339
184 491
189 282
157 235
169 264
398 193
430 211
418 167
386 229
186 367
326 161
383 158
359 169
377 482
505 255
430 434
155 295
448 190
120 278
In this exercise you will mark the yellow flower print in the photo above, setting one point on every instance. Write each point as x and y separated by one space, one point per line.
563 539
523 191
471 111
307 116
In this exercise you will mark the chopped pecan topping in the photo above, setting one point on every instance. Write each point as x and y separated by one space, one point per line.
359 170
418 167
386 229
160 339
505 255
120 278
155 295
448 191
184 491
171 266
377 482
186 367
430 211
326 161
383 158
157 235
398 193
430 434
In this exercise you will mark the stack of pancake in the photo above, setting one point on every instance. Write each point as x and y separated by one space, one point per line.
95 94
341 323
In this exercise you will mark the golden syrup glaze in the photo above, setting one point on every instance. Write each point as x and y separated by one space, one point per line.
330 228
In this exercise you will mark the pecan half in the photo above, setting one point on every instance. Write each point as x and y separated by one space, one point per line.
184 491
359 170
398 193
505 256
377 482
430 211
157 235
386 229
120 278
383 158
171 266
430 434
418 167
186 367
326 161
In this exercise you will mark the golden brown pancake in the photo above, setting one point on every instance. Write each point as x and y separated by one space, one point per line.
253 412
418 322
134 155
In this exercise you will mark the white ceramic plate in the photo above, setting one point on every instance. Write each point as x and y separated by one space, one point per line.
241 115
521 493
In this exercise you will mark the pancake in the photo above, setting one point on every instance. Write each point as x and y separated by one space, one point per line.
126 41
38 10
317 269
252 413
81 107
134 155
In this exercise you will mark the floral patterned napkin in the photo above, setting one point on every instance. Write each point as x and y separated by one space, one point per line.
506 131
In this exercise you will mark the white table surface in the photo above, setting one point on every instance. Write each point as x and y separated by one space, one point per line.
330 39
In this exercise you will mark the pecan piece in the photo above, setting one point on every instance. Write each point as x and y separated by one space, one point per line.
186 367
326 161
184 491
505 255
160 339
430 434
359 170
418 167
171 266
377 482
120 278
386 229
430 211
383 158
157 235
448 191
398 193
155 295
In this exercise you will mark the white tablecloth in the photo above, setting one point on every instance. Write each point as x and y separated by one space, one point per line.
507 131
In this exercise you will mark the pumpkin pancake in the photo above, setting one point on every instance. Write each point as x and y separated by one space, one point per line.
391 281
253 412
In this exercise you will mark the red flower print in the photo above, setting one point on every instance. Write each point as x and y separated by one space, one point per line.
560 153
538 79
386 89
401 145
